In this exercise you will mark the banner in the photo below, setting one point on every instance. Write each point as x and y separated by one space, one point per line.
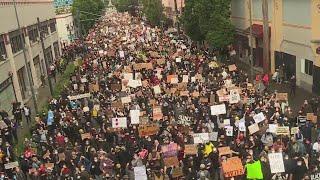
119 122
276 162
232 167
134 116
80 96
11 165
218 109
140 173
200 138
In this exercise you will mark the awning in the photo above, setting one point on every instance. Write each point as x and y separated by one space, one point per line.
257 30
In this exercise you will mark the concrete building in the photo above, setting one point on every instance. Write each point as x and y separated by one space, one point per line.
14 85
294 37
66 28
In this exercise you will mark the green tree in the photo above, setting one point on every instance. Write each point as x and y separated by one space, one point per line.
90 11
209 20
126 6
153 10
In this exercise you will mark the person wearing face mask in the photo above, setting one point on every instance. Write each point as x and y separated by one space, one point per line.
300 169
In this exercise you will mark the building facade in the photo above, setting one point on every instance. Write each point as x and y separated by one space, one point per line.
294 37
66 28
14 84
169 7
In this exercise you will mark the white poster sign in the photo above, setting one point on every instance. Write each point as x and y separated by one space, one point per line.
121 54
126 100
259 117
80 96
134 115
218 109
229 130
185 78
213 136
200 138
120 122
273 128
134 83
140 173
157 89
242 126
234 97
276 162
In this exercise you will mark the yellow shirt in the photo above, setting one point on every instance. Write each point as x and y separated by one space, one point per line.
208 148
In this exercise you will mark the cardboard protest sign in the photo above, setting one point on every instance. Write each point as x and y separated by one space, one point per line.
174 80
3 125
11 165
119 122
282 96
224 151
161 61
117 104
218 109
195 94
276 162
148 130
259 117
273 128
169 150
86 136
157 113
134 116
140 172
253 128
232 67
185 78
311 117
294 130
232 167
171 161
184 93
234 97
49 166
128 76
177 172
200 138
80 96
134 83
148 66
190 149
224 98
283 130
126 100
157 89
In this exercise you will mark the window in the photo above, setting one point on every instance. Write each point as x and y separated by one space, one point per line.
33 33
53 26
56 49
3 52
16 40
308 68
44 29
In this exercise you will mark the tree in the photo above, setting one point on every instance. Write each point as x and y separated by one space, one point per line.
209 20
89 12
126 6
153 10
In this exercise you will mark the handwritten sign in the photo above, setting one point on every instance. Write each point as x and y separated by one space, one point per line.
283 130
148 130
253 128
224 151
276 162
80 96
282 96
171 161
169 150
218 109
259 117
85 136
200 138
190 149
11 165
134 116
119 122
232 67
140 173
232 167
177 172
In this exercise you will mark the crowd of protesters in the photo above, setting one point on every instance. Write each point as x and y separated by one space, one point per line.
195 116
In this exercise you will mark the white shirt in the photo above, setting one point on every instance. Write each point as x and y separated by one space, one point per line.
316 147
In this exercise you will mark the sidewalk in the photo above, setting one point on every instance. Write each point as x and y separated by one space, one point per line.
295 102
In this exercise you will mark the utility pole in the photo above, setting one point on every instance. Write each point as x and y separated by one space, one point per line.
266 40
251 39
177 16
45 57
25 60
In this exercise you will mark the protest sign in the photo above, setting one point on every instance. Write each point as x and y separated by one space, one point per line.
171 161
224 151
134 83
253 128
224 98
281 96
232 167
254 170
190 149
121 54
80 96
170 77
213 136
119 122
11 165
117 104
294 130
3 125
259 117
116 87
311 117
234 97
49 166
232 67
85 136
242 126
126 100
195 94
276 162
283 130
229 131
174 80
161 61
134 116
185 78
177 172
169 150
200 138
184 93
148 130
157 113
157 89
140 173
218 109
273 128
184 120
178 59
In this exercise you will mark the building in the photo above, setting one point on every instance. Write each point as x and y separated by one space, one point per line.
66 28
294 37
169 7
14 84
